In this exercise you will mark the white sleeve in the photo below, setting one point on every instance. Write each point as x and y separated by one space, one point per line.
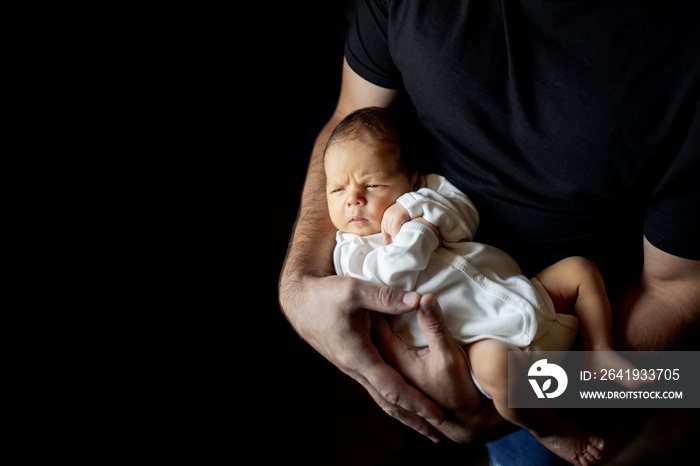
445 206
397 264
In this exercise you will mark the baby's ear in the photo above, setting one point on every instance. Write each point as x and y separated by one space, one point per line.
416 181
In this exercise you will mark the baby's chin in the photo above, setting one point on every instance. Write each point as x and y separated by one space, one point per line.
361 230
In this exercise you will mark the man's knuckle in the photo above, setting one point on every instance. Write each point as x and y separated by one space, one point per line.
435 326
391 411
392 396
345 362
386 296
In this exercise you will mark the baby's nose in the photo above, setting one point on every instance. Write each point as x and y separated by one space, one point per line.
356 200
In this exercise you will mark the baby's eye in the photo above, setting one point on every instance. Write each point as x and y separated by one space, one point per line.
336 190
373 185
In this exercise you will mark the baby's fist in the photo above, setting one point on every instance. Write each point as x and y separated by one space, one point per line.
394 217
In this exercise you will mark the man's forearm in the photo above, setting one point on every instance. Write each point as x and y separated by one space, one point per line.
661 311
654 320
310 251
313 230
313 237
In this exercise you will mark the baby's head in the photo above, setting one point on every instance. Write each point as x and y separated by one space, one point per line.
366 170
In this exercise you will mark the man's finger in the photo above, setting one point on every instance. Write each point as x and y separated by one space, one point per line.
400 400
432 322
394 350
392 388
408 418
369 368
385 299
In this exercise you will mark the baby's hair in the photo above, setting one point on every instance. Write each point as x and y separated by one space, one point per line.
379 124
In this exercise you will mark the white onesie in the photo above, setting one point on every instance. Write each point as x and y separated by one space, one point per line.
480 289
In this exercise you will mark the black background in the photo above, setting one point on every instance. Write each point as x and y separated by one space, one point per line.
295 401
242 95
221 106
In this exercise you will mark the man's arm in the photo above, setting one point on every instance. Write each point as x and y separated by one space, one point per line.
661 311
331 312
310 251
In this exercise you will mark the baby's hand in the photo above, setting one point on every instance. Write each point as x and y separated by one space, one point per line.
429 225
394 217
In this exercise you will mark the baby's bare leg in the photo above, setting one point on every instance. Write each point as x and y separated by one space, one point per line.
576 282
489 363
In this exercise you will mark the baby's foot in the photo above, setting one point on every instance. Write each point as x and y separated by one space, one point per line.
598 361
576 446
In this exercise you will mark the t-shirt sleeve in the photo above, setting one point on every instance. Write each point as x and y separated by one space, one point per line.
367 45
672 221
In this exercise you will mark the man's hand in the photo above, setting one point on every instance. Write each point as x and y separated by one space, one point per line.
441 371
335 319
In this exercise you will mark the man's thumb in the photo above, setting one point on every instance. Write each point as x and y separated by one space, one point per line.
432 322
387 299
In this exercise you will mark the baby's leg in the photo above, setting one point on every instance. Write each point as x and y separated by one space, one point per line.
489 363
576 281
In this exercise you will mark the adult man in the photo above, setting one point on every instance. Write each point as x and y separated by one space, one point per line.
574 128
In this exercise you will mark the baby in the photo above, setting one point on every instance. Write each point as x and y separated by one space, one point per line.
414 233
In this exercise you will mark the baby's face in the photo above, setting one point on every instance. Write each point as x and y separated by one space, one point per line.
362 182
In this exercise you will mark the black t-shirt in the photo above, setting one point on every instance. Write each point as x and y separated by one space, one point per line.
573 126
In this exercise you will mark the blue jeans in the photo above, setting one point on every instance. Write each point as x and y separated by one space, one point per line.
521 449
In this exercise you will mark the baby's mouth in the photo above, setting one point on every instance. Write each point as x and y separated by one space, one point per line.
357 221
